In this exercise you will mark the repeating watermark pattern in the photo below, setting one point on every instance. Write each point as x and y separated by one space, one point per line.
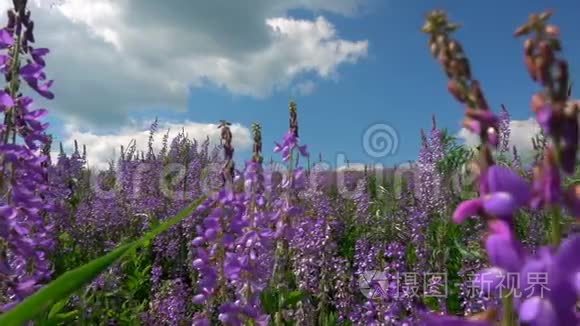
172 175
380 140
377 284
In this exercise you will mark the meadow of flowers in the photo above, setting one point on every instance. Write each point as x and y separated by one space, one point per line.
183 236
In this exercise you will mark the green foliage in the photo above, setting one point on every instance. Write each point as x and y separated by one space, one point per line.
329 319
275 300
75 279
456 155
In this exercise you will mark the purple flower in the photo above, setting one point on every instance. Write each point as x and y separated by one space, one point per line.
562 128
484 123
25 214
442 320
549 285
545 283
547 189
6 38
6 100
544 117
169 304
502 193
38 55
289 143
501 244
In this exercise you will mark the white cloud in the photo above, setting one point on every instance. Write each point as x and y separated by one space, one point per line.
521 134
112 56
304 88
102 148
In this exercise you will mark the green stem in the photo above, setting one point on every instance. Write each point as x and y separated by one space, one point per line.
509 318
278 320
556 229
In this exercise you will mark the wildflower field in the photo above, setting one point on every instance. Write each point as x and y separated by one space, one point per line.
185 236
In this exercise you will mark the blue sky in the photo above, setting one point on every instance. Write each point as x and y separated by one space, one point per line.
396 82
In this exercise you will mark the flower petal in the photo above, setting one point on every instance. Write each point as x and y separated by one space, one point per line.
6 100
467 209
432 319
538 311
491 281
500 204
502 179
503 252
567 257
6 38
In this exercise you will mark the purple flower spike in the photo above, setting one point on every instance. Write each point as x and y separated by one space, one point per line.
27 232
289 143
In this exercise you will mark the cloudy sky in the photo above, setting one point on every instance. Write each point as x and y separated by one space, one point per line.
350 65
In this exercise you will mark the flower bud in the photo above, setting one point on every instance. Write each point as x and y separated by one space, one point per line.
454 46
529 46
545 16
552 30
455 68
542 69
546 52
522 30
478 96
443 59
454 89
29 34
531 67
563 76
434 49
19 5
11 19
492 136
465 68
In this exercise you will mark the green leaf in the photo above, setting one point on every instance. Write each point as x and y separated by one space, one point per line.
331 319
75 279
57 308
269 300
292 298
467 253
66 316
